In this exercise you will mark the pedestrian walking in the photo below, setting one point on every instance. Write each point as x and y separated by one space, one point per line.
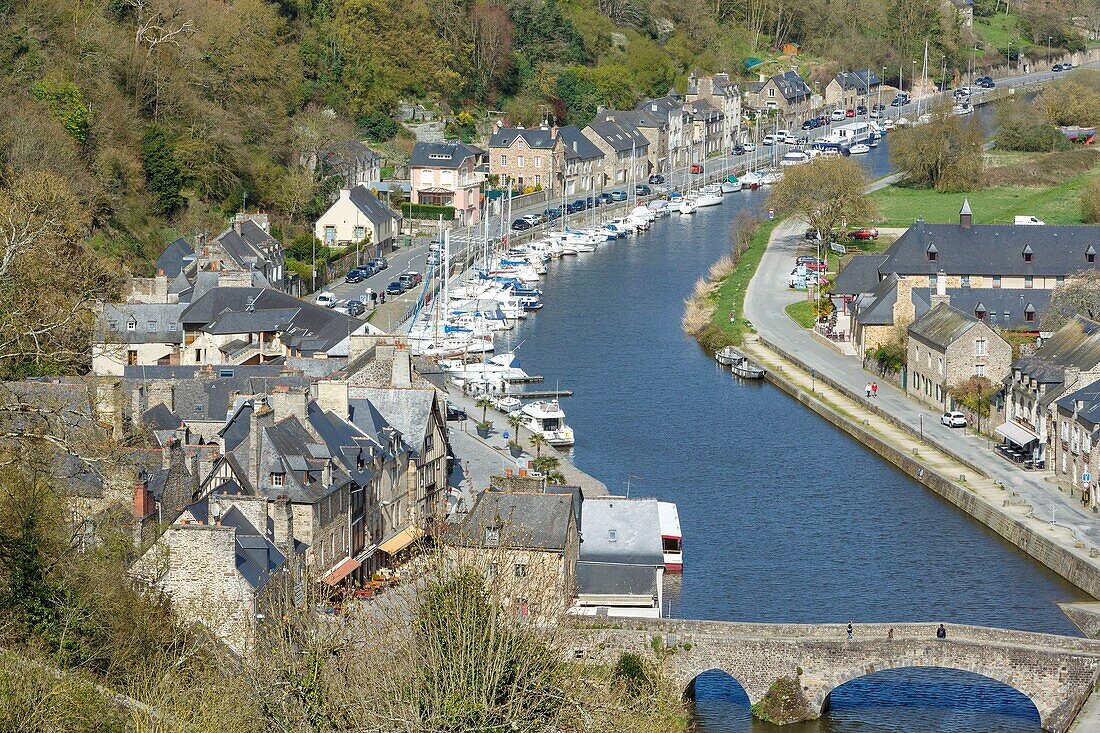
941 632
874 389
890 634
849 631
867 389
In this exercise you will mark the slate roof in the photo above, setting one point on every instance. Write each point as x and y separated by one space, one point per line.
527 520
595 578
116 316
577 146
175 257
442 155
370 206
942 326
286 448
636 117
214 398
1004 307
185 371
664 106
1076 344
792 86
159 417
341 152
407 410
257 556
539 138
992 249
246 248
636 528
620 136
860 275
312 328
703 110
1089 414
876 308
861 80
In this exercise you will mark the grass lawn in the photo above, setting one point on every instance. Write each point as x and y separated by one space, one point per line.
731 293
900 206
802 313
999 30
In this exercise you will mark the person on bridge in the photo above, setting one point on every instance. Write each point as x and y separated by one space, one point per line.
849 631
941 632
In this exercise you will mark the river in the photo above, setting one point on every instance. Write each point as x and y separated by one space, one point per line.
785 518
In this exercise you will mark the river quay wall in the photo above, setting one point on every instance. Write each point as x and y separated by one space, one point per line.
1076 569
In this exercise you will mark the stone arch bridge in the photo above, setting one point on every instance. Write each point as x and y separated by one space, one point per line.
1057 673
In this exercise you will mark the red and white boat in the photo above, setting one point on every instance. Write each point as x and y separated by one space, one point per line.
671 538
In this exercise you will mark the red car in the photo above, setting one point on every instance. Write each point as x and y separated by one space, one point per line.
696 167
864 233
816 265
849 113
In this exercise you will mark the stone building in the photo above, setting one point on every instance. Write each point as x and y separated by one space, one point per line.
725 96
849 89
583 161
526 159
1077 441
528 543
653 127
786 94
1066 361
625 151
678 132
947 347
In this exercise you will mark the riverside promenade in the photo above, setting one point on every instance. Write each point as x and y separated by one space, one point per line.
961 467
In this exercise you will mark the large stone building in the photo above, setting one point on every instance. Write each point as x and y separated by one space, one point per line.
849 89
625 152
526 159
947 347
1076 441
677 146
1066 361
583 161
786 94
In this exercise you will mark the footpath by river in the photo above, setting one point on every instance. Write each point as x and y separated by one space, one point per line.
785 517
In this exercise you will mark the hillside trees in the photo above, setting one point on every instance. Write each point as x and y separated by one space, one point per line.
945 153
827 193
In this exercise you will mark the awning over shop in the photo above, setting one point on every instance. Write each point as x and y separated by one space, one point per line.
401 540
341 571
1018 434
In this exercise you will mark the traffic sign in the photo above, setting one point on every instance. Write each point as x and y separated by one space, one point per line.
1086 476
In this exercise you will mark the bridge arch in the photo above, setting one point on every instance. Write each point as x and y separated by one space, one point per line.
844 676
690 689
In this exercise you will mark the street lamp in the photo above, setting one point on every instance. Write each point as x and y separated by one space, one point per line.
1010 55
1048 46
943 80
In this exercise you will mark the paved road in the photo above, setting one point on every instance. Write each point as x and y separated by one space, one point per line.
765 300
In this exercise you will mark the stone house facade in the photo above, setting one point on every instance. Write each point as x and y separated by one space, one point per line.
786 94
583 161
1077 441
670 108
947 347
626 152
849 89
526 159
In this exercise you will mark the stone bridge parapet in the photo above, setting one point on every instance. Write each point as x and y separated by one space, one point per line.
1057 673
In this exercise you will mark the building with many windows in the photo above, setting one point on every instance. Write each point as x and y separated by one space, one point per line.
583 161
526 159
448 174
1077 445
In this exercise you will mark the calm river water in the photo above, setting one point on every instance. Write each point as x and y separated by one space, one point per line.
785 518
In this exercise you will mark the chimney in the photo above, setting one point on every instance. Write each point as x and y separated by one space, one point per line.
166 453
237 224
287 401
402 369
143 500
262 417
940 296
965 216
193 467
345 194
332 395
282 522
762 78
326 474
160 287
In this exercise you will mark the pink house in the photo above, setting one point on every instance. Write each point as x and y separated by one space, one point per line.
448 174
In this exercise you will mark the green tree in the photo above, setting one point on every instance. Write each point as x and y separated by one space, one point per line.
67 103
827 193
378 126
976 394
162 170
945 153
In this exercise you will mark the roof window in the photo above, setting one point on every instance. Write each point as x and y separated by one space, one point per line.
932 253
1090 254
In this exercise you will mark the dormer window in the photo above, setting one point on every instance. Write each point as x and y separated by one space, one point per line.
278 479
979 312
492 536
131 325
933 253
1090 254
1029 313
1028 253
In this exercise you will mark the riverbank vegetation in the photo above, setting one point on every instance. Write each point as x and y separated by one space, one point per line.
714 314
826 194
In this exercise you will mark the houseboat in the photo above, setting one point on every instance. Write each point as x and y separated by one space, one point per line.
671 537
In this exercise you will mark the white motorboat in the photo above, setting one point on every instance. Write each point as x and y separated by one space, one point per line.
671 537
507 404
709 198
795 157
771 177
687 206
733 186
446 346
498 367
751 178
739 363
548 420
962 109
859 149
643 212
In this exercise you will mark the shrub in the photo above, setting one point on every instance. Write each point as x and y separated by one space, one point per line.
427 211
378 126
1031 136
630 671
162 171
67 103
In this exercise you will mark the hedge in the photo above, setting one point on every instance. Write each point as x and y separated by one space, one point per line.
427 211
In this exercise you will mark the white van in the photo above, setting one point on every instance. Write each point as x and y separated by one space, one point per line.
768 140
326 299
1028 221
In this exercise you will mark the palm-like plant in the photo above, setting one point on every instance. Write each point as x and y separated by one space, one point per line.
515 422
537 442
484 402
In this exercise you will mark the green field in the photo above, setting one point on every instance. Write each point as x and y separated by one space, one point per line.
731 293
999 30
801 313
900 206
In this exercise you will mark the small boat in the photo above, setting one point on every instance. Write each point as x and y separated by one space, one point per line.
772 177
860 149
687 206
751 179
795 157
707 198
671 537
548 420
960 110
731 184
739 363
507 404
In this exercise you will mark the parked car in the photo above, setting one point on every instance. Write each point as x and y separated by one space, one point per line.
433 258
1067 66
454 412
326 299
875 114
791 140
656 179
738 150
837 115
368 269
550 214
807 259
395 288
380 263
809 235
410 279
861 110
353 276
879 107
749 147
354 308
864 233
521 225
1057 67
986 82
618 195
605 198
591 202
900 100
696 168
815 264
768 140
640 189
810 124
849 113
953 419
